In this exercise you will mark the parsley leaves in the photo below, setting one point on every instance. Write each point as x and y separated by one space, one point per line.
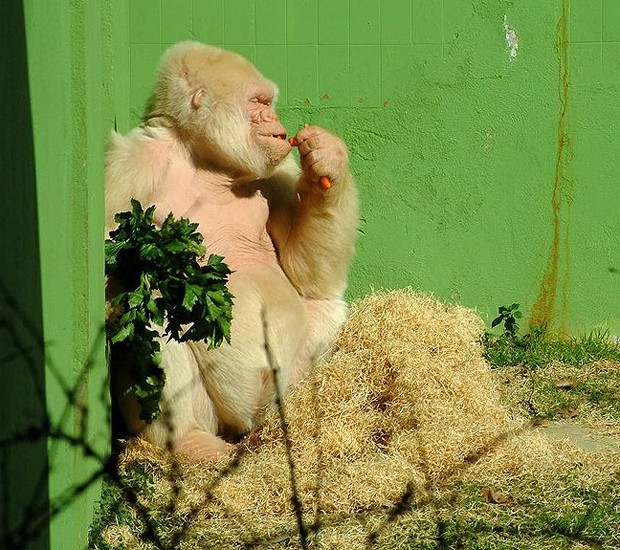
164 286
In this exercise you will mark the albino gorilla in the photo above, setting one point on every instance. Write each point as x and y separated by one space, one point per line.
213 150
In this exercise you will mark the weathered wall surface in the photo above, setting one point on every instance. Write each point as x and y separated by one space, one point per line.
483 134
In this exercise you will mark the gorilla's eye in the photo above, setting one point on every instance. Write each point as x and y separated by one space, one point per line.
267 101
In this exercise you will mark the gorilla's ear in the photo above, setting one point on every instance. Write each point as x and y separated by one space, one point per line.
197 97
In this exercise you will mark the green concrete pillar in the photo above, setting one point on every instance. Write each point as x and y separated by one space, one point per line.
58 56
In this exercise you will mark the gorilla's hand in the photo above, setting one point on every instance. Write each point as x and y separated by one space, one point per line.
321 154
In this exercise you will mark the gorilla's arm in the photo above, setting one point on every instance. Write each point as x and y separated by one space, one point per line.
314 230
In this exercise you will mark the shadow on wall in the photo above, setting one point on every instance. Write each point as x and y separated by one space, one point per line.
23 459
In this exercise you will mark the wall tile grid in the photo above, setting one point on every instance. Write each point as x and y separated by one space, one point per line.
343 53
337 53
595 41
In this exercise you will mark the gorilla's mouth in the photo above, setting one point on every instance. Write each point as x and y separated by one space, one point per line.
279 136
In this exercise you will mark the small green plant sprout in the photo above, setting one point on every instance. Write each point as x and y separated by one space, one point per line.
165 292
508 315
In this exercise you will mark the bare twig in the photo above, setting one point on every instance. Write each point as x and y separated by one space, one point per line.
275 370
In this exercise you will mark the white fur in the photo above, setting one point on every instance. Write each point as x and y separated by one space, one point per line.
291 303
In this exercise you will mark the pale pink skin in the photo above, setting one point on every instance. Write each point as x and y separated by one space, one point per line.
288 242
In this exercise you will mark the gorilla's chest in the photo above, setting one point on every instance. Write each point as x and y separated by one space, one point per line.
233 226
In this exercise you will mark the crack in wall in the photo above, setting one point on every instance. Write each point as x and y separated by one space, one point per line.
543 310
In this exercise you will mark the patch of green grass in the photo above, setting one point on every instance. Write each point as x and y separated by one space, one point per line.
570 512
538 348
558 392
117 506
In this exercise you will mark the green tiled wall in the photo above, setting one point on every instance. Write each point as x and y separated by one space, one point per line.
271 33
454 142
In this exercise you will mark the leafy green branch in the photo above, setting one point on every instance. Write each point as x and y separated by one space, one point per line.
163 285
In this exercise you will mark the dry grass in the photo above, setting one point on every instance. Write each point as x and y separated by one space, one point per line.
385 435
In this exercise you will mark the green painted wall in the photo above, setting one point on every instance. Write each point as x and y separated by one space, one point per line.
57 59
482 134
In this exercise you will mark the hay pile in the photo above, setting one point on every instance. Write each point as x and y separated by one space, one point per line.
405 408
406 397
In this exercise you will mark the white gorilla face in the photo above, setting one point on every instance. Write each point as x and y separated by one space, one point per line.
224 107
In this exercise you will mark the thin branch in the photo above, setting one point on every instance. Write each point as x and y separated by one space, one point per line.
303 533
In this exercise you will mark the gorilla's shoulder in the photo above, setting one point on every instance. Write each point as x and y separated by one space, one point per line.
146 145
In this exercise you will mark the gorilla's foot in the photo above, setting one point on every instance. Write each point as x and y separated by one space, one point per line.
201 445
